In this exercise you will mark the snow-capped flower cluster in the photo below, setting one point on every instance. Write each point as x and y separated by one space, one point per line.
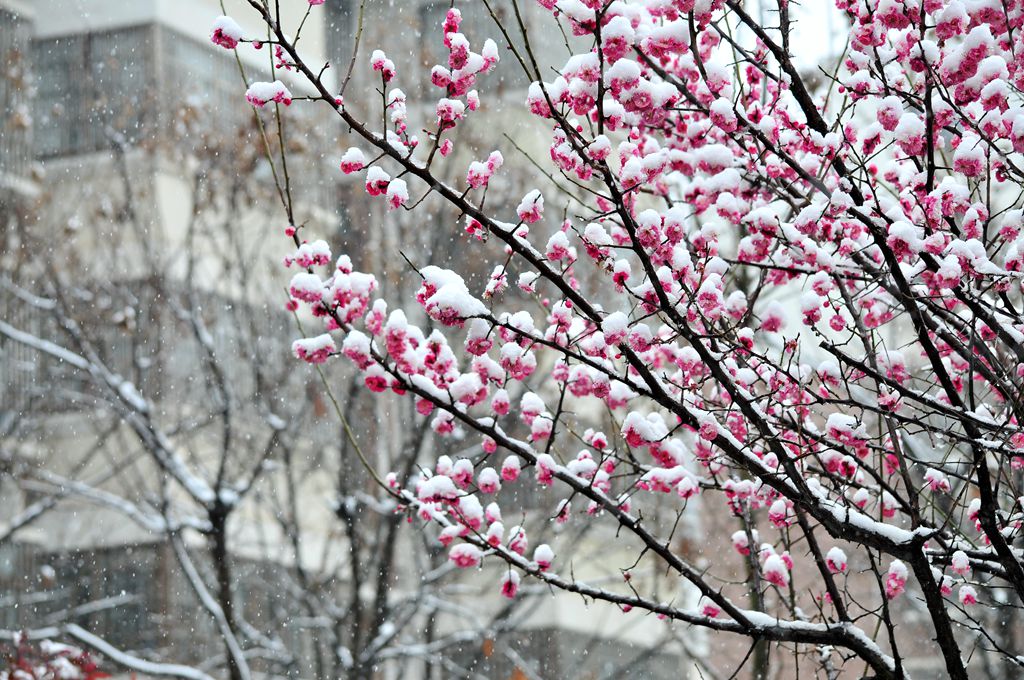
226 32
260 94
315 350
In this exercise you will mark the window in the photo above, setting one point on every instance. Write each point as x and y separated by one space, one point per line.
340 34
16 120
58 95
88 85
205 81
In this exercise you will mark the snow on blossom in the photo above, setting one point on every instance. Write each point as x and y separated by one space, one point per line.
449 112
969 157
226 32
936 480
314 350
510 584
614 327
311 254
495 535
517 541
531 207
306 287
543 555
260 94
465 555
778 513
438 488
910 133
379 62
905 239
688 486
510 468
377 181
488 481
639 430
741 542
895 579
353 160
776 571
445 297
960 563
835 559
557 247
397 193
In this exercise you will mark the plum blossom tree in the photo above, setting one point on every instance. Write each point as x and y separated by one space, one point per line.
797 298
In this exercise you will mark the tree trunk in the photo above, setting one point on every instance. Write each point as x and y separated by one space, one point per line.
222 568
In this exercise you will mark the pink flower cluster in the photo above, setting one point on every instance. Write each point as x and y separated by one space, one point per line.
226 32
260 94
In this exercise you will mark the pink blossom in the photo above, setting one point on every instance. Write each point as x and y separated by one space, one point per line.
836 560
452 19
377 181
260 94
465 555
775 571
531 207
510 468
495 534
397 193
226 32
449 111
969 158
314 254
314 350
910 133
777 513
708 608
967 595
517 542
945 585
380 62
352 161
936 480
563 512
306 287
960 563
687 487
449 534
462 473
545 465
895 579
510 584
741 543
543 555
440 76
488 481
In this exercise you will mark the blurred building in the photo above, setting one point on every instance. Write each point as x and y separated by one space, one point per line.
16 127
99 91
